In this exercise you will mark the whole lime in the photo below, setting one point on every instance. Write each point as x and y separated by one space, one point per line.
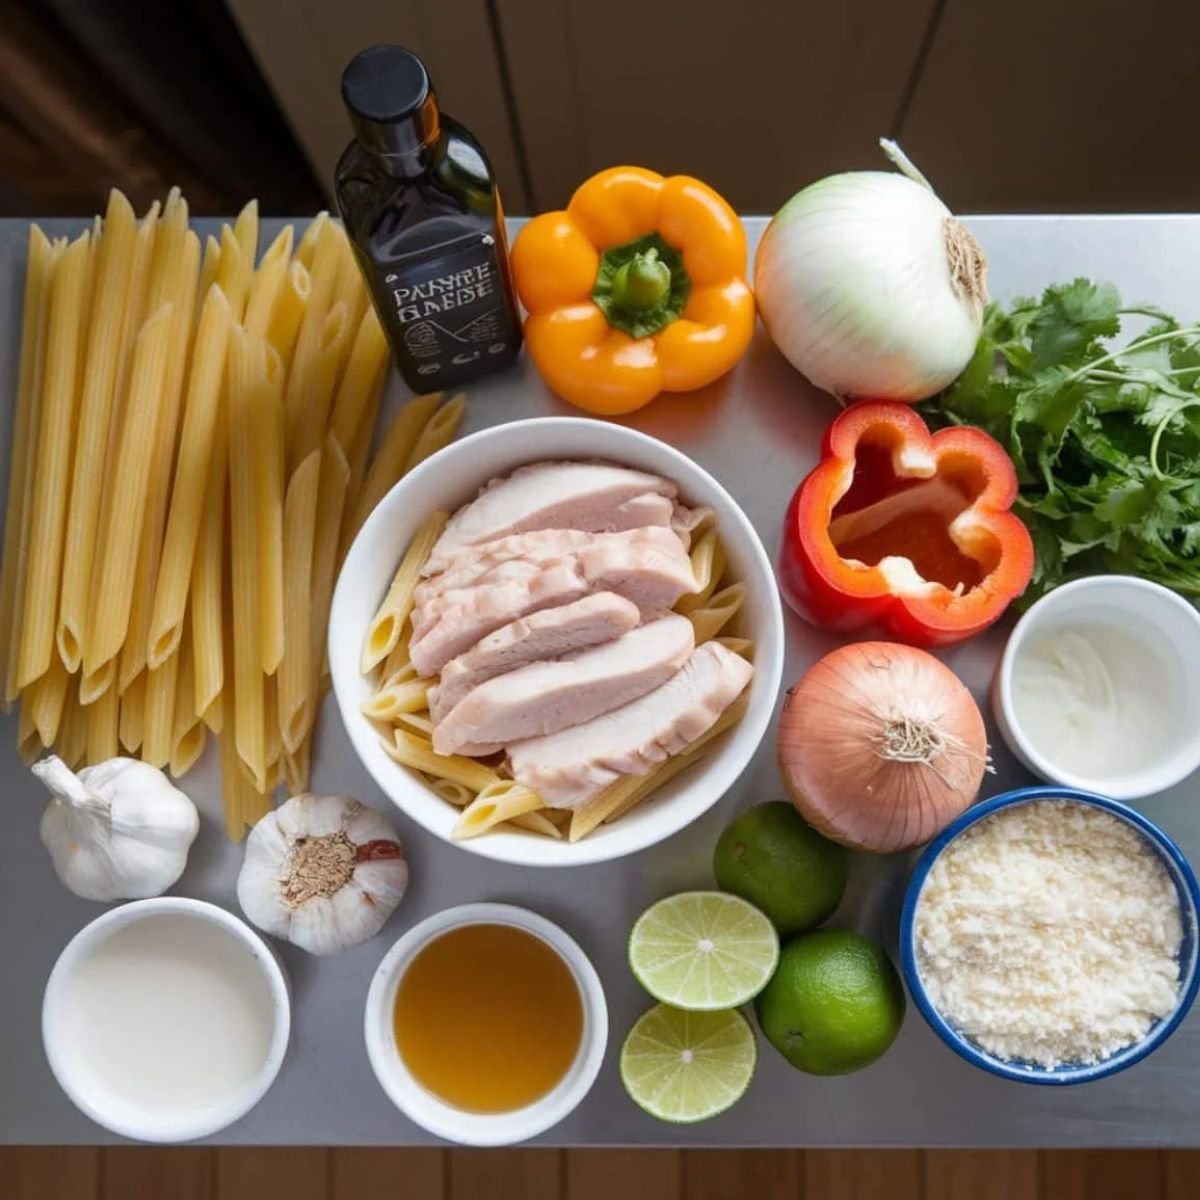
769 856
834 1004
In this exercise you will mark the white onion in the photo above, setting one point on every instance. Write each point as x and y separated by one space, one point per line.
869 285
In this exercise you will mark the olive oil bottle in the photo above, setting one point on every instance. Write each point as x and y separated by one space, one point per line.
419 201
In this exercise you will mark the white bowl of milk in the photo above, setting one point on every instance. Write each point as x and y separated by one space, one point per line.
166 1020
1098 687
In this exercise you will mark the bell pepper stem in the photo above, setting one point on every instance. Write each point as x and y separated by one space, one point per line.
642 282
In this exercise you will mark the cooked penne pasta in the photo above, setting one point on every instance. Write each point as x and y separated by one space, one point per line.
499 802
125 509
130 725
360 381
158 719
438 432
398 665
250 377
267 284
290 307
454 793
296 696
188 497
414 722
390 459
411 750
537 822
314 393
623 795
708 566
112 270
52 463
102 717
739 645
397 698
35 307
718 612
384 631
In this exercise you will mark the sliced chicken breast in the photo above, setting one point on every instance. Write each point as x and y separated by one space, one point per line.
647 566
551 633
545 697
571 767
550 495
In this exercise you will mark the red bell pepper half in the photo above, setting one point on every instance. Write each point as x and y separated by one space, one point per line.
905 530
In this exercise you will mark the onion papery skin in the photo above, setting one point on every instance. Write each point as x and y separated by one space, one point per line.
829 747
855 287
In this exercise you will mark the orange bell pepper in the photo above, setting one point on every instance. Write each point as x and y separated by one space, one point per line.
635 289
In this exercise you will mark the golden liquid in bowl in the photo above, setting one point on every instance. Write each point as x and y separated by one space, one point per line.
488 1018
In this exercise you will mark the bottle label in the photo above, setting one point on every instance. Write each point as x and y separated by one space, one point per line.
449 306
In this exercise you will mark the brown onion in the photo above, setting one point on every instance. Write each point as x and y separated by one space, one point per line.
881 746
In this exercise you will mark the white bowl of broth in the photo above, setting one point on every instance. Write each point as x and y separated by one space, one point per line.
166 1020
486 1024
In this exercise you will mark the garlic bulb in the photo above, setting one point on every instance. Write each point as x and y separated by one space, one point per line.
116 831
324 872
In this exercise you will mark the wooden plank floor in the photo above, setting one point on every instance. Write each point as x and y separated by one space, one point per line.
82 1173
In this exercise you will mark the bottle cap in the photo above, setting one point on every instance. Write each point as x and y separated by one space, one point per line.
391 102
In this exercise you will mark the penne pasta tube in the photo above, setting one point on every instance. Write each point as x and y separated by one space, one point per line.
296 697
359 452
296 767
267 283
245 229
273 752
363 375
208 568
306 248
130 724
182 285
414 722
315 391
398 665
389 462
384 630
237 794
537 822
158 720
457 794
35 308
233 273
397 698
708 566
112 271
71 745
413 751
47 697
196 448
120 537
250 372
289 309
29 745
52 463
331 495
720 610
350 289
187 750
494 805
439 431
209 265
102 716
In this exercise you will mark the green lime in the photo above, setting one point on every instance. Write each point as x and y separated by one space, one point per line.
769 856
688 1066
703 951
834 1005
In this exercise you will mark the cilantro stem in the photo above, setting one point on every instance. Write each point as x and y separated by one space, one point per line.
1190 331
1123 376
1159 430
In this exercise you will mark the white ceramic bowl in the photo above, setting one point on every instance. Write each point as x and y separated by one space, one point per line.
117 1113
451 478
1168 627
434 1115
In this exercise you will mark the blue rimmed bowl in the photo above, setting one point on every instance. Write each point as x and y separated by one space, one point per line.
1186 889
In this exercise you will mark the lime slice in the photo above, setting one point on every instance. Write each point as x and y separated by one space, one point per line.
687 1066
703 951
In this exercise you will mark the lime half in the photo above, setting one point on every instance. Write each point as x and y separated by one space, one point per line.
687 1066
703 951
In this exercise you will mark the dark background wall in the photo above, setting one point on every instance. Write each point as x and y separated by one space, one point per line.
1007 105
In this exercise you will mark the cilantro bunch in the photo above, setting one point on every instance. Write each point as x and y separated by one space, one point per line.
1105 437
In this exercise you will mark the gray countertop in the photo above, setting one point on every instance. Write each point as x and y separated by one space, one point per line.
758 430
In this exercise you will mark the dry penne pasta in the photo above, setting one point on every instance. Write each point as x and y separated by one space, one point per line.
306 248
363 374
209 265
208 572
331 495
359 452
245 229
306 426
416 752
296 767
296 697
267 283
391 458
384 631
71 746
137 311
113 266
29 745
35 308
290 307
267 418
125 509
720 610
158 722
439 431
233 273
102 718
52 462
196 448
47 696
188 748
130 724
499 802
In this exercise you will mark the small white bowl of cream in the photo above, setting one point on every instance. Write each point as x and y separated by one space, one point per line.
1096 688
166 1020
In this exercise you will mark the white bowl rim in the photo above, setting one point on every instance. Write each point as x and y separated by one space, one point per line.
720 772
434 1115
1147 782
218 1118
